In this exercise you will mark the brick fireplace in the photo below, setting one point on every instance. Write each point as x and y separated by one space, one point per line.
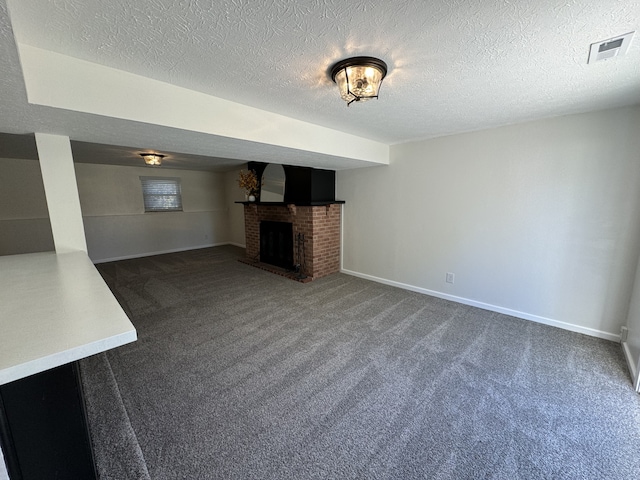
319 224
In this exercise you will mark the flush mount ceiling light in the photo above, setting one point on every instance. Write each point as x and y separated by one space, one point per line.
358 78
154 159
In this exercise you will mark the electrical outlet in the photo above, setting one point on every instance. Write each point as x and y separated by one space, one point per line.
450 278
624 333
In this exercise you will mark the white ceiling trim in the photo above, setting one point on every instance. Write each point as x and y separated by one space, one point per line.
60 81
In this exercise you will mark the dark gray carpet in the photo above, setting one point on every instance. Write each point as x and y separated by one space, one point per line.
242 374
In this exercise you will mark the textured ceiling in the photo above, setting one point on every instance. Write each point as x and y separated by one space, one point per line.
84 152
455 65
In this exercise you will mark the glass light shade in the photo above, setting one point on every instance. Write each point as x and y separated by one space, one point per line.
152 159
359 78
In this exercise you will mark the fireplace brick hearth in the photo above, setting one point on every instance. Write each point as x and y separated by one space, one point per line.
320 226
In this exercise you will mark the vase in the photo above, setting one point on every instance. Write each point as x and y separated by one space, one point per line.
252 198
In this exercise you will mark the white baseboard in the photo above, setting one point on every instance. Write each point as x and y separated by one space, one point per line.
241 245
493 308
161 252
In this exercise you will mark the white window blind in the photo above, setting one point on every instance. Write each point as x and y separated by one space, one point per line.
161 194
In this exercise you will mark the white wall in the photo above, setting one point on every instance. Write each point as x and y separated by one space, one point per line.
4 475
539 220
117 227
24 219
236 210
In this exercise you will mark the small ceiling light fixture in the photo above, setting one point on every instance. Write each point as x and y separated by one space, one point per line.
358 78
154 159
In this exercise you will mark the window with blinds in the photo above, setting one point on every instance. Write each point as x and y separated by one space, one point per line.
161 194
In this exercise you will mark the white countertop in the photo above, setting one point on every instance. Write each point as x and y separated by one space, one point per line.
55 309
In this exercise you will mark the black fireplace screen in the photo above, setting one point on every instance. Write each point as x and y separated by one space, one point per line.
276 244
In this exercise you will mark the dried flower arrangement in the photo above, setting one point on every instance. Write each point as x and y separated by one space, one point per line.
248 181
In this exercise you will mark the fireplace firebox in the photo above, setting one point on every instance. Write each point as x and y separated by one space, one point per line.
276 243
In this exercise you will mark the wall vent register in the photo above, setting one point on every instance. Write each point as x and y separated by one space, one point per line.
614 47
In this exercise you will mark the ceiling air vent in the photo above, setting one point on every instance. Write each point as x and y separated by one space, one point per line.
614 47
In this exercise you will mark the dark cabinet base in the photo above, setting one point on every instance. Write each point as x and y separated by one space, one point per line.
43 427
